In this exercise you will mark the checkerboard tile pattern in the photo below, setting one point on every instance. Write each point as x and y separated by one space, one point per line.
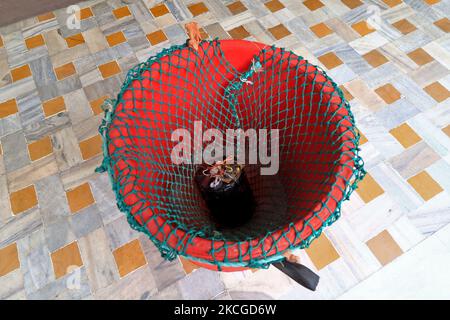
58 218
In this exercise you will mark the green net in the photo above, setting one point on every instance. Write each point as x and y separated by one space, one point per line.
318 149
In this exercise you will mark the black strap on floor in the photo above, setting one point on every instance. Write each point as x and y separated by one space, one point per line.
298 272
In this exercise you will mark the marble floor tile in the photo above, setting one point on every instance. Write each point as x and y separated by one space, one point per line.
16 155
85 221
12 286
431 216
67 152
20 226
165 272
419 157
36 265
98 260
425 264
32 173
56 78
393 184
202 284
73 286
138 285
434 137
119 232
105 198
52 199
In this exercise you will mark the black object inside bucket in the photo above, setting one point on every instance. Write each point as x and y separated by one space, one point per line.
230 204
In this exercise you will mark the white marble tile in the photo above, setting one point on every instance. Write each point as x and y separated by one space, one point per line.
405 234
399 190
432 215
352 250
421 273
374 217
444 235
100 266
376 132
369 42
11 285
271 282
414 159
440 171
434 137
139 284
35 261
438 53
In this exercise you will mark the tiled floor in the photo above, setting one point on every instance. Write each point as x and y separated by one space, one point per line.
61 235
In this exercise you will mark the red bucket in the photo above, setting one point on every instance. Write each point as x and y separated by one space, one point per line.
317 171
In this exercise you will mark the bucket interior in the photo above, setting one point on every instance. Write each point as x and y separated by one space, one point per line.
184 87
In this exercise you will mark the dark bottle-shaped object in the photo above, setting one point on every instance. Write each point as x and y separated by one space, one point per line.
230 201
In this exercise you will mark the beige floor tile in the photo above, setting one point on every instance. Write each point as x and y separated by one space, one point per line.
363 28
313 4
239 33
9 259
437 91
188 265
46 16
20 73
109 69
392 3
384 247
197 8
35 41
352 4
85 13
66 259
388 93
96 105
322 252
237 7
431 2
41 148
348 96
159 10
279 31
115 38
375 58
8 108
368 189
65 71
405 135
23 199
156 37
420 57
330 60
122 12
446 130
321 30
404 26
129 257
274 5
80 197
54 106
91 147
75 40
443 24
425 185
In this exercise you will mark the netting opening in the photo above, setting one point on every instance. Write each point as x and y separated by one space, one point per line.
318 144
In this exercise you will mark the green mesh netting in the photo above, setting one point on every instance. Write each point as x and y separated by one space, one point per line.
319 161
